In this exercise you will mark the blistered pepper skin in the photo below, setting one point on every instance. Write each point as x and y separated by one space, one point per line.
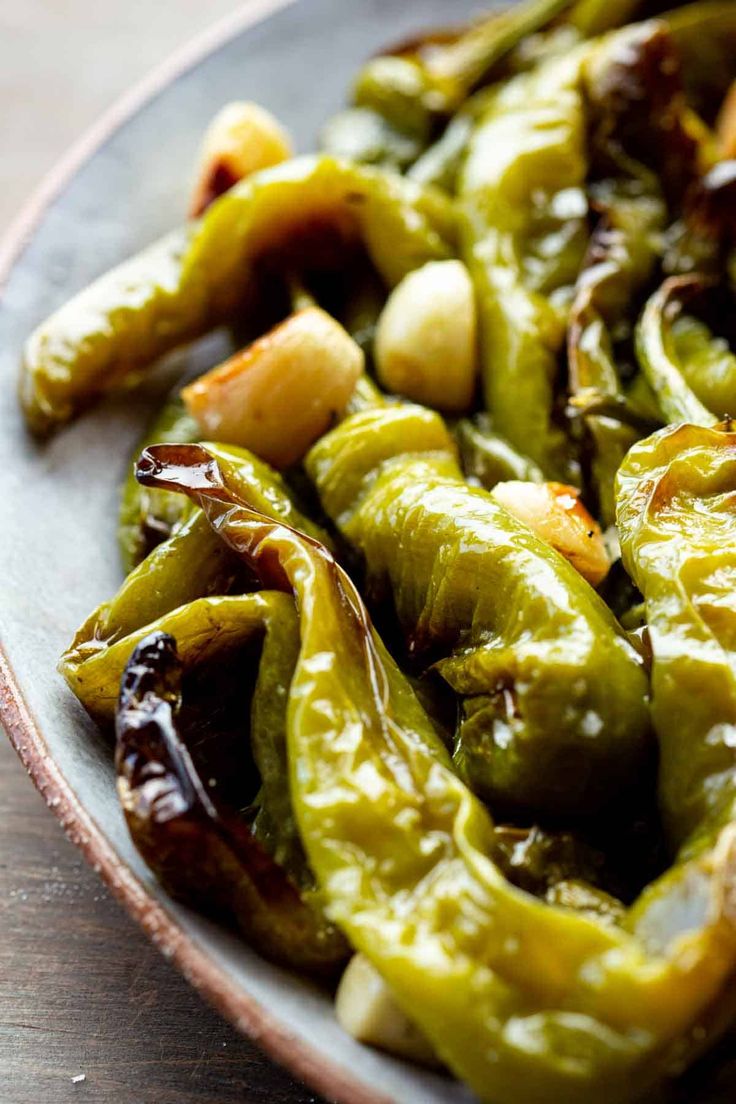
553 697
199 277
525 1001
677 519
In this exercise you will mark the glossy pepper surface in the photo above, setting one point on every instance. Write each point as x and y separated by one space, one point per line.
524 236
544 674
203 852
429 78
631 79
201 276
524 1001
147 517
676 500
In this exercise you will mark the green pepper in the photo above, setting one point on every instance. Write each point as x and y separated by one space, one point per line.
181 588
703 238
487 458
620 258
661 349
522 1000
707 363
705 34
204 275
676 493
593 17
429 79
191 564
544 675
639 110
638 136
361 135
207 629
202 851
538 860
439 165
148 517
524 235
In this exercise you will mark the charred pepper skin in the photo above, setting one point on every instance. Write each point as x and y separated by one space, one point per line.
147 518
202 853
633 90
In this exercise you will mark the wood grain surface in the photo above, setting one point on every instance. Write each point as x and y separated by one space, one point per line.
82 992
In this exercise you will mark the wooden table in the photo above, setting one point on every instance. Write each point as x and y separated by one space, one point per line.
82 992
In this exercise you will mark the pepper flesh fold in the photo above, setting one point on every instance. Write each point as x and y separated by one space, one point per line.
487 458
199 277
553 696
676 517
202 851
524 1001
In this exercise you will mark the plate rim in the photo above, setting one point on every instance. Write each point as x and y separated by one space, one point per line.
247 1014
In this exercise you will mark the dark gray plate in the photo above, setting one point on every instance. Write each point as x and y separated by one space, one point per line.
126 184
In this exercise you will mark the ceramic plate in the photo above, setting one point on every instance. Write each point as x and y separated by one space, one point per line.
124 185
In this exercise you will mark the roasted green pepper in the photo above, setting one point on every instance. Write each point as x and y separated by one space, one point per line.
191 564
523 240
629 92
707 363
702 239
487 458
429 78
676 497
202 276
665 341
364 137
203 852
553 697
148 517
621 257
705 34
593 17
525 1002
